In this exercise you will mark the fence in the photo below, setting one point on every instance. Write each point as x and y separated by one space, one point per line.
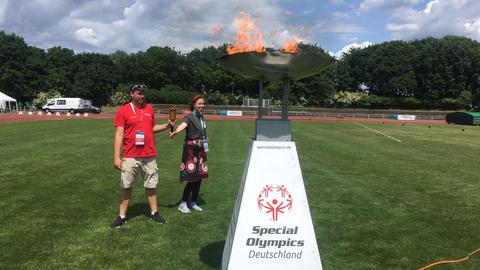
306 113
251 102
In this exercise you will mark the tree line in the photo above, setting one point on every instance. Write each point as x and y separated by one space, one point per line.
428 73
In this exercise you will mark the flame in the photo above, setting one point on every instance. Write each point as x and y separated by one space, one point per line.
249 38
291 46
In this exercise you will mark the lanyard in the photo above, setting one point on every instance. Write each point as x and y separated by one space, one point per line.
201 123
141 113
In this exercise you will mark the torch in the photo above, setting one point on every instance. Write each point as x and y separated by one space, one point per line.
172 115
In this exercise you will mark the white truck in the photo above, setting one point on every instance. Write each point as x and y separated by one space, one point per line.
71 105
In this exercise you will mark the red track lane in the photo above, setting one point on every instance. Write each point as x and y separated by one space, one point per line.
10 118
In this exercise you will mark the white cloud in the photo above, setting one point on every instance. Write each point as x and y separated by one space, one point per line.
182 24
334 26
350 46
88 36
135 11
407 27
473 27
429 6
135 25
367 5
3 10
437 19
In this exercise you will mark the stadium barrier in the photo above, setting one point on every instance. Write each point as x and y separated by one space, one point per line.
311 112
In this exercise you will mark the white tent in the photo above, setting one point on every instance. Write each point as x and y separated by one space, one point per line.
6 102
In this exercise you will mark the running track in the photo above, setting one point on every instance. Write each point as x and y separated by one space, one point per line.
10 118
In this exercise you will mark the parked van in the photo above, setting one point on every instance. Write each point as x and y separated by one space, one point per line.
72 105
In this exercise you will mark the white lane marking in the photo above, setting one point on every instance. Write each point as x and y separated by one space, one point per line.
388 136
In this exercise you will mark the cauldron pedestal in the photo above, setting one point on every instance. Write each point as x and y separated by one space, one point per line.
271 226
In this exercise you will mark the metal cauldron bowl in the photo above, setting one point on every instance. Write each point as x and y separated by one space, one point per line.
275 65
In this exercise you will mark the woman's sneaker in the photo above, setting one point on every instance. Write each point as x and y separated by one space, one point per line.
196 207
182 207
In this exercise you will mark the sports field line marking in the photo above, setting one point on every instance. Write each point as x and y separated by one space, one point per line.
388 136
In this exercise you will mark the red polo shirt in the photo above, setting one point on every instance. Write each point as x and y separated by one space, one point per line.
141 120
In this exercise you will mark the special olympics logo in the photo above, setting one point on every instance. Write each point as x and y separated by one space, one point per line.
274 200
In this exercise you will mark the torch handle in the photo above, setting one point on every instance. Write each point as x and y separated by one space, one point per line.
172 115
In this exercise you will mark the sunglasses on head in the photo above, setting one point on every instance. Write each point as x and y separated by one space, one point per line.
139 87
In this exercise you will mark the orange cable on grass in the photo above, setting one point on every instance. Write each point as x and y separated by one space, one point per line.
450 261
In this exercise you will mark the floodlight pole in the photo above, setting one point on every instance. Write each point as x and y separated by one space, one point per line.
260 101
286 89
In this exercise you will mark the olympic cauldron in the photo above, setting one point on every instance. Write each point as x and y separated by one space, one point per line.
274 66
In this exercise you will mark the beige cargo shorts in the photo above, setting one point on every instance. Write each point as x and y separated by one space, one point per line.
131 167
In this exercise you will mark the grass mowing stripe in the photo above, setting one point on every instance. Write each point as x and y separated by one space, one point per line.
376 131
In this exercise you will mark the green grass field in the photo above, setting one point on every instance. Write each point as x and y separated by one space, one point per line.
376 203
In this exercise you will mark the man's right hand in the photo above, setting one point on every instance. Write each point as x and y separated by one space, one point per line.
117 163
117 148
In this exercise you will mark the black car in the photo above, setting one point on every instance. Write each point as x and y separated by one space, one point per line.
91 109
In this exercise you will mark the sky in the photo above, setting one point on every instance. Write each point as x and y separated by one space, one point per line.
105 26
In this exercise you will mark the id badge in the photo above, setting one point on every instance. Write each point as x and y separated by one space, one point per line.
205 145
139 138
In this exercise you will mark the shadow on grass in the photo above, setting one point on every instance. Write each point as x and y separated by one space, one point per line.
211 254
138 209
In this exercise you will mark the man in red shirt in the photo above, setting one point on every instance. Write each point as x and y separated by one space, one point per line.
134 136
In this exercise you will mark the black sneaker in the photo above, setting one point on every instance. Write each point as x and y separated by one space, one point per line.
157 218
118 222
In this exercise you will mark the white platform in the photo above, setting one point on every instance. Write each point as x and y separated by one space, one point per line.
271 226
